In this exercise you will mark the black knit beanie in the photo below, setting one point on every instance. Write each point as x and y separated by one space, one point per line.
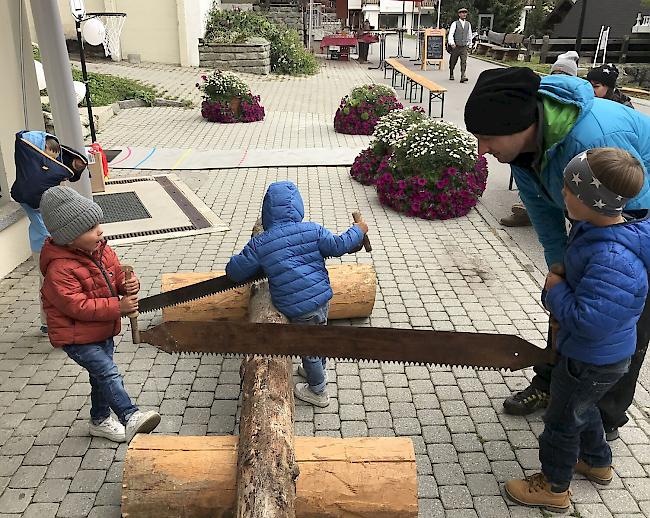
503 102
605 75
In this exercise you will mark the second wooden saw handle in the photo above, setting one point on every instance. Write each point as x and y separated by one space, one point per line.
356 216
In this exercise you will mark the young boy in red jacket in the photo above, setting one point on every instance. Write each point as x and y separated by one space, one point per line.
83 282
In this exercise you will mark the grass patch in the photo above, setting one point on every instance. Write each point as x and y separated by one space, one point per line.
106 89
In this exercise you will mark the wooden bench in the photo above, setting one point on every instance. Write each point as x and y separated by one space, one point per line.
500 46
410 80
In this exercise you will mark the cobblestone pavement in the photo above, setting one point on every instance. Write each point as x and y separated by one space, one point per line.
452 275
299 111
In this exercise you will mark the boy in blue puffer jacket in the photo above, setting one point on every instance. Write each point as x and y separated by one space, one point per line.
292 254
597 306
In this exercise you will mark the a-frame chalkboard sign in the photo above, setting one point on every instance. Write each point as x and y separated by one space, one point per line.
433 50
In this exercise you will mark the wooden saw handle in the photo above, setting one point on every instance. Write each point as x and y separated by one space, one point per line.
356 216
133 317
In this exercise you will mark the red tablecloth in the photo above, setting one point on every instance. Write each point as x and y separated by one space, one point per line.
339 40
369 38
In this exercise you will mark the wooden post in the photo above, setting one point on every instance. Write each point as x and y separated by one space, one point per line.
266 463
544 51
529 49
625 45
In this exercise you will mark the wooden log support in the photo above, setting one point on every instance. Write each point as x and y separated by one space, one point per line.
195 477
266 464
354 287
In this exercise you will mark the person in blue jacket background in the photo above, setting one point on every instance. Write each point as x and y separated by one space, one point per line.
596 303
537 126
292 253
41 162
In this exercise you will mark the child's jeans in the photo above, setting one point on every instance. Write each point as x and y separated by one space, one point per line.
107 389
314 365
573 428
37 235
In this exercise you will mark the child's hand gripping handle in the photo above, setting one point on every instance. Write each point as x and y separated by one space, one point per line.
135 331
557 269
356 216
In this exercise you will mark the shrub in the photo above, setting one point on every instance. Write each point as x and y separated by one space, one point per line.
359 112
288 55
219 89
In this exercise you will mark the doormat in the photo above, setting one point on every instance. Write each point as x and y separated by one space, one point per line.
154 207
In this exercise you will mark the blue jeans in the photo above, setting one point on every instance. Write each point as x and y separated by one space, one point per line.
314 365
37 231
107 389
573 427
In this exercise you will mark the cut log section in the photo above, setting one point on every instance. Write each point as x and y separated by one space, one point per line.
175 476
354 287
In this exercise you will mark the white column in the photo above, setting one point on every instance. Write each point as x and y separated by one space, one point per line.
56 65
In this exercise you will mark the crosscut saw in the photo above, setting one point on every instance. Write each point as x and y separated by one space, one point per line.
482 350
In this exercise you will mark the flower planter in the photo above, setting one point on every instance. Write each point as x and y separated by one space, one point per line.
235 104
359 112
452 196
368 166
227 99
422 168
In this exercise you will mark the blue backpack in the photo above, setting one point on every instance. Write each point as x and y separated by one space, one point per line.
36 171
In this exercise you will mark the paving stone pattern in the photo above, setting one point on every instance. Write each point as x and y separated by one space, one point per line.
451 275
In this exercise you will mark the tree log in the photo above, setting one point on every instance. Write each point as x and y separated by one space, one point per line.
175 476
266 464
354 287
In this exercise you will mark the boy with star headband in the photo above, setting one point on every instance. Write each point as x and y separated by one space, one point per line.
596 305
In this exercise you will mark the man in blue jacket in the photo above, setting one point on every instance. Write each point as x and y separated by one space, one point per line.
538 126
292 254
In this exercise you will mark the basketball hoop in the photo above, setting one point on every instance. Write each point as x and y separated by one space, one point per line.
113 22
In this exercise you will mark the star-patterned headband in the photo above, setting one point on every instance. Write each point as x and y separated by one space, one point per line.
580 180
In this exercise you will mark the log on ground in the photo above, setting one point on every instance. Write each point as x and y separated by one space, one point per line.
175 476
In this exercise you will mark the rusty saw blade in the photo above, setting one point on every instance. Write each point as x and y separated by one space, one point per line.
192 292
344 342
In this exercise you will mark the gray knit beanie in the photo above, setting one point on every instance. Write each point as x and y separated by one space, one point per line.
566 63
67 214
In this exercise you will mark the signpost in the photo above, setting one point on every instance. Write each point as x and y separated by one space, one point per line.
433 48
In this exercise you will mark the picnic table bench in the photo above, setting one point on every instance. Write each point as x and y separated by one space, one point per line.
410 80
499 45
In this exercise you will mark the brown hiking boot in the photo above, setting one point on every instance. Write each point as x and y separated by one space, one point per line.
516 219
535 491
518 209
602 476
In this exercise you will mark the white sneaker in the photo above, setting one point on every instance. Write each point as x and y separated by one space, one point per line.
301 372
141 422
110 429
303 392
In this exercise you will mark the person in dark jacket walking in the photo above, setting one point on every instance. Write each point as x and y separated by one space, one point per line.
537 126
597 305
292 254
603 79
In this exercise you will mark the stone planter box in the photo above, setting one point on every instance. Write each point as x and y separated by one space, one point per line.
251 57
